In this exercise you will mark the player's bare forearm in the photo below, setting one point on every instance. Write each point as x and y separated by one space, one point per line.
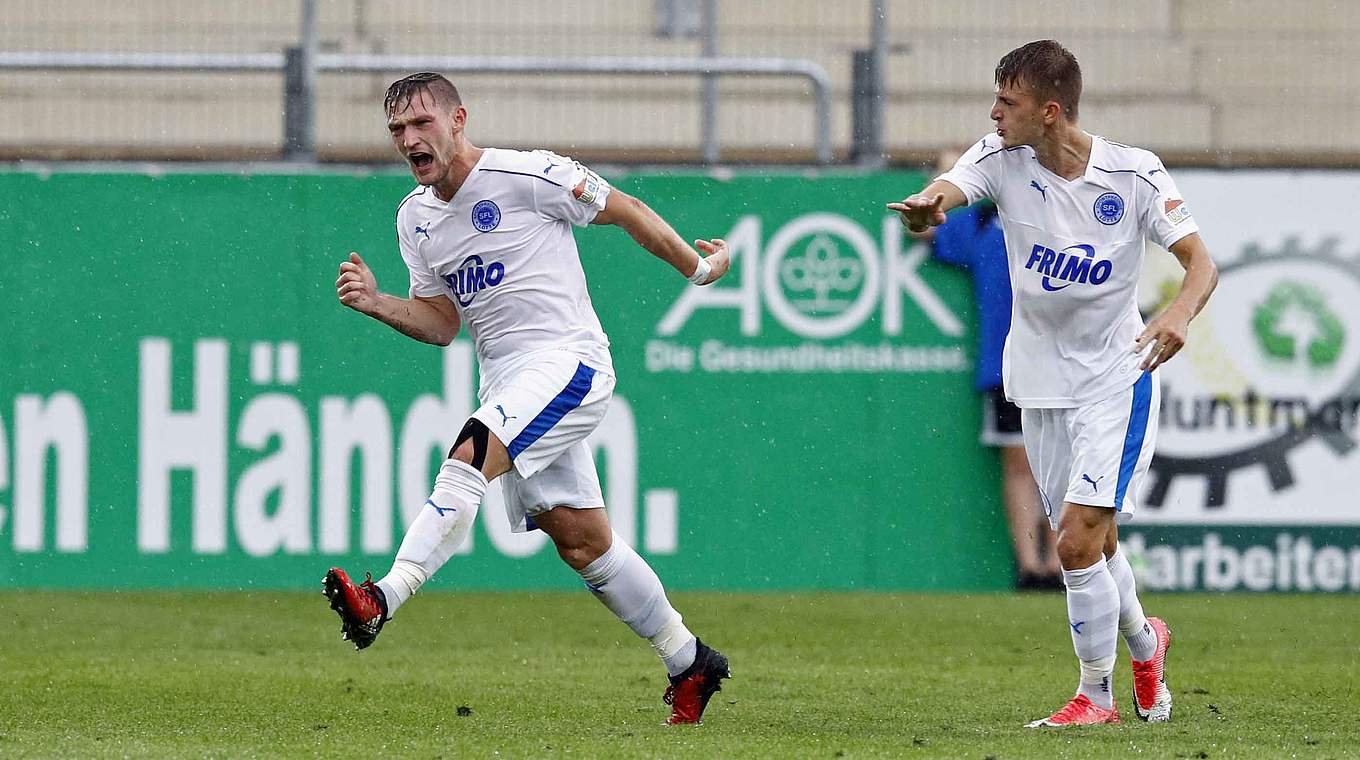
658 238
927 208
649 230
1165 335
1201 276
427 319
417 318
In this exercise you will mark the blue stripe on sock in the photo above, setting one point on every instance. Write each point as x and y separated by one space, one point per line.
1133 438
570 398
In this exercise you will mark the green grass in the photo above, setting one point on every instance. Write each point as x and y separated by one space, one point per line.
553 675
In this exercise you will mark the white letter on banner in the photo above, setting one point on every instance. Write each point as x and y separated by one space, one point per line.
195 440
58 424
744 243
287 471
432 424
507 542
4 469
901 273
364 426
616 438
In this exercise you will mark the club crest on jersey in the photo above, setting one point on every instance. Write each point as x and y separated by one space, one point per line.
1109 208
486 216
472 277
1073 264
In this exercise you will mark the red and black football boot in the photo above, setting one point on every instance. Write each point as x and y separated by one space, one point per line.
690 691
362 608
1151 697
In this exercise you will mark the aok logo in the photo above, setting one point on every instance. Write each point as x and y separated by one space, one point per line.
1073 264
472 277
821 276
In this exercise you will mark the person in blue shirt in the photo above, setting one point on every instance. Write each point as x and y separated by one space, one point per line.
972 240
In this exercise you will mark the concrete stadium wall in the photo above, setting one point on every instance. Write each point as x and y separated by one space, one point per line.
1206 80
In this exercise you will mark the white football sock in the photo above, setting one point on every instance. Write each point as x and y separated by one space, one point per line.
442 525
1142 640
627 585
1093 617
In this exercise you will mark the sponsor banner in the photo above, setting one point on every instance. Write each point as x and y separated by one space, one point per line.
1245 558
1261 411
184 404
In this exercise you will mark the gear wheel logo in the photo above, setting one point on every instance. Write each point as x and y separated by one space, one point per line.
1280 371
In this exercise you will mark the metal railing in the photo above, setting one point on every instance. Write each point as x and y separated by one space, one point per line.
299 126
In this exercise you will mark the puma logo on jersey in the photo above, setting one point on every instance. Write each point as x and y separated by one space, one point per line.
505 418
423 231
441 510
1043 191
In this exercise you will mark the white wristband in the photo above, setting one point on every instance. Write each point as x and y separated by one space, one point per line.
701 272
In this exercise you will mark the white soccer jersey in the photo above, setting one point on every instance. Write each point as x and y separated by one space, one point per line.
502 250
1075 250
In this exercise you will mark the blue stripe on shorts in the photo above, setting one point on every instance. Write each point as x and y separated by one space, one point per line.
1134 437
570 398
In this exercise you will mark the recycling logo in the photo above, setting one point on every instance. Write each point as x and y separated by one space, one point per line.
1294 324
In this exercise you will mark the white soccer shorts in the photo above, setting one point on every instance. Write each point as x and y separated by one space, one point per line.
542 413
1097 454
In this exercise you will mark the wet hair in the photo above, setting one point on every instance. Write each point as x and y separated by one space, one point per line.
1046 67
401 92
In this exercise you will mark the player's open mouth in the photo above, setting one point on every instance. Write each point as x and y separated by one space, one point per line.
420 160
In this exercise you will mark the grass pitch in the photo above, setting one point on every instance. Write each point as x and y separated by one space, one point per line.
554 675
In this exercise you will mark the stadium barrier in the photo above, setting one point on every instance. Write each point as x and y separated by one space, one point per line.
185 404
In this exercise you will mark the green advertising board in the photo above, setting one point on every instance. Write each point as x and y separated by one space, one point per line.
184 404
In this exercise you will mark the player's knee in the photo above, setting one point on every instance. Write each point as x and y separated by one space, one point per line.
1076 550
471 444
579 554
1111 543
580 548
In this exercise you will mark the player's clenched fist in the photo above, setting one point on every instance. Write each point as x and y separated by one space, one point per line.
717 256
357 287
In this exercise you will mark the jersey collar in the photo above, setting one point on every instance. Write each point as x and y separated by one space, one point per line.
1100 157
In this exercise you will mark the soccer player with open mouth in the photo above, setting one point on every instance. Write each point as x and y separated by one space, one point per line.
487 240
1079 361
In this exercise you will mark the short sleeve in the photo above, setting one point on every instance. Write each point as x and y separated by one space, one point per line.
424 282
572 193
1166 218
977 172
952 243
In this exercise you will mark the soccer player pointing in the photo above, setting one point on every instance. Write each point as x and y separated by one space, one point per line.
487 241
1079 362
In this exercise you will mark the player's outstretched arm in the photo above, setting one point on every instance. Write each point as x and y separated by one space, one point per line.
927 208
653 233
429 320
1165 334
